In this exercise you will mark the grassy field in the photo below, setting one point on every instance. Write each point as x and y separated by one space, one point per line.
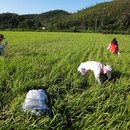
48 60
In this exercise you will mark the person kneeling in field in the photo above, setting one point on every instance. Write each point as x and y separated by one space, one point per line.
35 102
113 46
2 46
97 67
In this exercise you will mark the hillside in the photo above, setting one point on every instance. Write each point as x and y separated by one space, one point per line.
114 15
30 21
108 16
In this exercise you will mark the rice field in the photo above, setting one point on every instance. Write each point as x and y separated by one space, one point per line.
49 60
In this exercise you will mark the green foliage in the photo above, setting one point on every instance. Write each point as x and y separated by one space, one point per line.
26 24
30 21
8 20
47 60
107 16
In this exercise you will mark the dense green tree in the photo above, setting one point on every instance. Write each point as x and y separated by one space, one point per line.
26 24
8 20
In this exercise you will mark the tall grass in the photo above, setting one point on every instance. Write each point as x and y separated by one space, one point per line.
34 60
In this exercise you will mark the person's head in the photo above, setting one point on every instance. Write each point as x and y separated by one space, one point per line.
114 41
107 68
1 37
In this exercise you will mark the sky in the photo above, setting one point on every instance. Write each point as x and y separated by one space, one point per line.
39 6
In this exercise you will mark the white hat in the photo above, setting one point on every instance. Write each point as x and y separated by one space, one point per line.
108 68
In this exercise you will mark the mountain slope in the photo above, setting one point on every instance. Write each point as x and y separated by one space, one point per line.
108 15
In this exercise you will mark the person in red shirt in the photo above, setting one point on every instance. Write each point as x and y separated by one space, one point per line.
113 46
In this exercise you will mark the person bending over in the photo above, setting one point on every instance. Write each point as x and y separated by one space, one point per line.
97 67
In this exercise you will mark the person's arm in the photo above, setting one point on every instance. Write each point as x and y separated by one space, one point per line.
109 74
108 48
97 77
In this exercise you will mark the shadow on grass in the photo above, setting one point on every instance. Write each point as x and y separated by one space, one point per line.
84 83
115 76
79 86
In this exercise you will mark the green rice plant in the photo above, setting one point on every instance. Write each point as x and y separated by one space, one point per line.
49 60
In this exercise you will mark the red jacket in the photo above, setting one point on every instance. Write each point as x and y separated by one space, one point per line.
113 48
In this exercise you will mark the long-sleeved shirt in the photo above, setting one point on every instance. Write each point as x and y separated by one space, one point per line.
96 67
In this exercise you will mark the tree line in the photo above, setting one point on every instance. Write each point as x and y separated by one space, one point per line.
107 17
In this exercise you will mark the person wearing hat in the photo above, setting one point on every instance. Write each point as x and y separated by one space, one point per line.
2 46
98 68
